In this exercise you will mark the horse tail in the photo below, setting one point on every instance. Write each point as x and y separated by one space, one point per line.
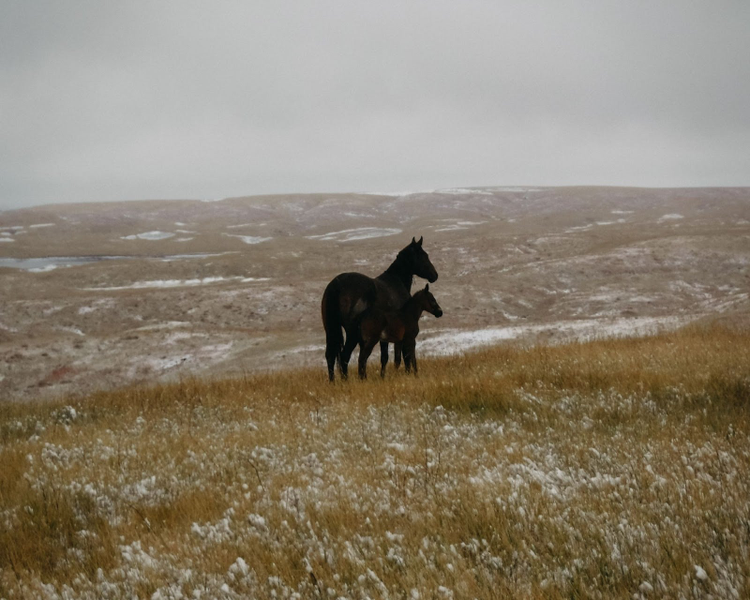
330 309
331 313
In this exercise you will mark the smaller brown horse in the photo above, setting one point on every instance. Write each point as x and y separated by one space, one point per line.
399 327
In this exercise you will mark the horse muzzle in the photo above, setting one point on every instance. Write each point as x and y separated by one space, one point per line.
439 313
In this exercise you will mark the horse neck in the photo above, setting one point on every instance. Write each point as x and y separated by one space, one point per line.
402 272
413 309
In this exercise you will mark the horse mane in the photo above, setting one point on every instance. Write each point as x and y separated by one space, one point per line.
402 269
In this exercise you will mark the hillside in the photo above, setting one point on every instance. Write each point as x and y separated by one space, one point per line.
612 469
234 286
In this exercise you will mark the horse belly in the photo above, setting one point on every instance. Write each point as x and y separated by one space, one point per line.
393 333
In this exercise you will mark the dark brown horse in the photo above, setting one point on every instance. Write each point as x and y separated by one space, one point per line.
399 327
350 294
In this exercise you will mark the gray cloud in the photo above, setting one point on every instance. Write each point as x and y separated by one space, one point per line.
107 101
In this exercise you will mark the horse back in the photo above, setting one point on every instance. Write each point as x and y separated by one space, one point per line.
349 295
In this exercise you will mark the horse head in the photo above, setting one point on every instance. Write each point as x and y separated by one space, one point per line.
418 261
427 302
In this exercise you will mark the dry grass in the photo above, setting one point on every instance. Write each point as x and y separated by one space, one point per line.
609 469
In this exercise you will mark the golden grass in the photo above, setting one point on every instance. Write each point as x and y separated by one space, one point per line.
607 469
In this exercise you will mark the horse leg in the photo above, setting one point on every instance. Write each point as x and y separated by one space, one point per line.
397 354
365 349
331 355
383 357
351 342
409 358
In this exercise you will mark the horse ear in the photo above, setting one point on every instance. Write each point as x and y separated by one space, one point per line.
427 288
413 240
420 240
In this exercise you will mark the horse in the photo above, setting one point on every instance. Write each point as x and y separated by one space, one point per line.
399 327
348 295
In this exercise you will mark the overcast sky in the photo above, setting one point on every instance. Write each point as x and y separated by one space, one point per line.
135 100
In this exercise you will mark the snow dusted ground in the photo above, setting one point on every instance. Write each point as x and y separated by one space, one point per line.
171 283
351 235
249 239
516 265
443 343
477 479
49 263
372 490
150 235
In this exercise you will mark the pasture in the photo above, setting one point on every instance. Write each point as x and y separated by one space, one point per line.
196 289
610 469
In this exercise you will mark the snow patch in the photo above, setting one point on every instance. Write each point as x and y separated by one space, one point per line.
515 189
461 225
149 235
172 283
171 257
463 191
165 363
670 217
249 239
456 341
44 269
74 330
350 235
165 325
392 194
610 222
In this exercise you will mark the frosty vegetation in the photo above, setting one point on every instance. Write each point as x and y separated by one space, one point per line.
611 469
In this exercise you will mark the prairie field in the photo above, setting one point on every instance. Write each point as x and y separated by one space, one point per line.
613 468
102 296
